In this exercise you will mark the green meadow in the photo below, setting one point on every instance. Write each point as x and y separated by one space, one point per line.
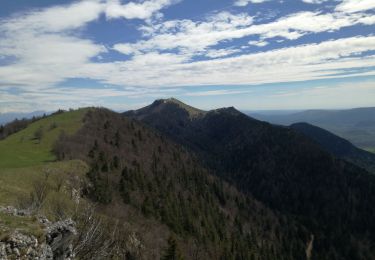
24 160
22 149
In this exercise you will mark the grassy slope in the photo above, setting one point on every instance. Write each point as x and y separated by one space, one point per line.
23 159
28 225
22 150
17 183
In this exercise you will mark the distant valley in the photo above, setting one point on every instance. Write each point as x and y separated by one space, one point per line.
356 125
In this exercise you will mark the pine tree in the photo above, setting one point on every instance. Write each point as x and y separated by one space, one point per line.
172 252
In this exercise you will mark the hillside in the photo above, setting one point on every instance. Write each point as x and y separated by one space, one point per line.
283 169
155 184
33 145
356 125
338 146
39 186
24 158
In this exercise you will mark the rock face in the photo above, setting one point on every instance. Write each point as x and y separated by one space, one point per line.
20 246
60 237
54 243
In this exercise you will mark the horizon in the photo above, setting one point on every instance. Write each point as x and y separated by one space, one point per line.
256 55
260 111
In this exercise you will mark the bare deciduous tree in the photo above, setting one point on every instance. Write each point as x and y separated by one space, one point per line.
38 134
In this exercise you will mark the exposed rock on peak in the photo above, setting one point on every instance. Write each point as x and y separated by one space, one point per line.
170 106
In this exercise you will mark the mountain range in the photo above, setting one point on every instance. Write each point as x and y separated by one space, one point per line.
279 166
8 117
171 181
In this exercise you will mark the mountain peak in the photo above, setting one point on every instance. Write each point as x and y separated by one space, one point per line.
162 104
173 100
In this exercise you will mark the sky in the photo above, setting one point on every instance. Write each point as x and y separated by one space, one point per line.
251 54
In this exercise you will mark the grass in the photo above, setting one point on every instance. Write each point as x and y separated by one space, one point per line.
24 161
16 183
26 225
370 149
23 150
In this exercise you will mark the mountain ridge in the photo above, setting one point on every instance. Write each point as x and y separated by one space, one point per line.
133 166
338 146
279 166
225 185
356 125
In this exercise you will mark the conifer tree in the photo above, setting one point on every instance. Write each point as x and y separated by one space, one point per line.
172 252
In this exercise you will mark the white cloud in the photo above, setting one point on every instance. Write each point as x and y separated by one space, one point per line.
132 10
314 1
45 45
246 2
55 19
189 36
305 62
352 6
258 43
196 37
217 92
48 54
217 53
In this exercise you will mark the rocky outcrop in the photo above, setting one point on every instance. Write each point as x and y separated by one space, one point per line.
20 246
55 242
14 211
59 236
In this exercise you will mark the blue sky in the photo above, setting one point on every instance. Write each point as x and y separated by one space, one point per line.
252 54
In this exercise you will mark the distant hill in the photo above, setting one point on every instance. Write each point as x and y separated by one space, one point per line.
337 146
280 167
8 117
356 125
